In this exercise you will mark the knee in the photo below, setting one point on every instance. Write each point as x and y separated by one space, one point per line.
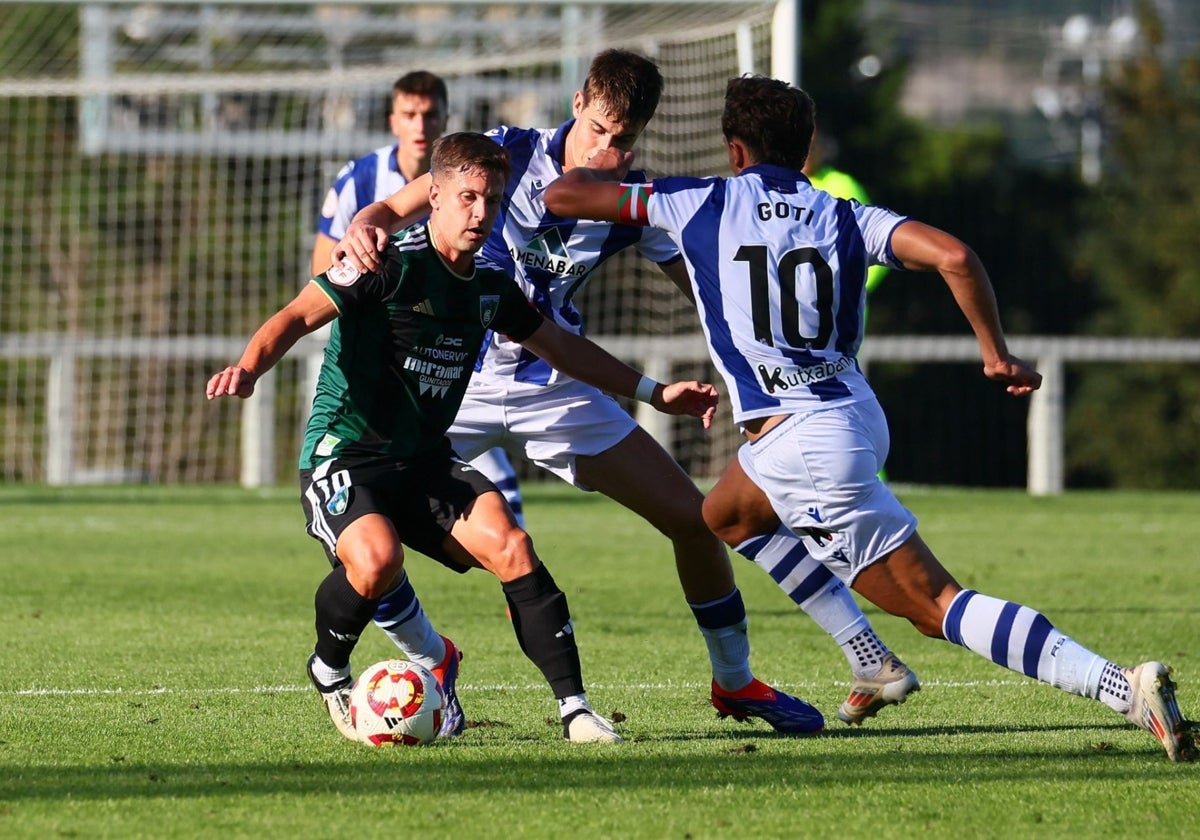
736 525
687 523
372 570
512 555
728 529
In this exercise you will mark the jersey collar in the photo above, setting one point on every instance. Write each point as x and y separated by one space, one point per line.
774 172
556 149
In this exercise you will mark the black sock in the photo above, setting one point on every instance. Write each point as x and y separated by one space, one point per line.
542 623
342 615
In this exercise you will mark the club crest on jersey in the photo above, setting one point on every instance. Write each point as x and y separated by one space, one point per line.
343 274
488 305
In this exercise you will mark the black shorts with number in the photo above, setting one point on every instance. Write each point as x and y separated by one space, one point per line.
422 498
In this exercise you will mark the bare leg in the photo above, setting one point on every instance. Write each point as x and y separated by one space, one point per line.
640 475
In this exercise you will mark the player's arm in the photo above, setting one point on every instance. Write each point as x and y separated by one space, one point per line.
590 363
310 309
920 247
595 191
368 232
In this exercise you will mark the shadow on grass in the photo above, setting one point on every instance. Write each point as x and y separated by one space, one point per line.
612 770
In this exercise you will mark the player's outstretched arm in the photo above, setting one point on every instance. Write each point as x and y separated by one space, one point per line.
368 232
309 310
920 247
590 363
593 191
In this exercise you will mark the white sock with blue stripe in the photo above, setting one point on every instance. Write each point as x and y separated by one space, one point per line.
723 625
1023 640
400 616
824 598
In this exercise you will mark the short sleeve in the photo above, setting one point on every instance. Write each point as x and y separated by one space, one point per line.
349 288
877 225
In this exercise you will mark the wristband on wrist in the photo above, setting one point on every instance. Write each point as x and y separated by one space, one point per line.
645 389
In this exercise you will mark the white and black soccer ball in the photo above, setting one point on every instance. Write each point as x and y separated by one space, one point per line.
397 702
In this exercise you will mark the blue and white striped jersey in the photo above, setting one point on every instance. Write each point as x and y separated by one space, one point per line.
779 272
360 182
551 258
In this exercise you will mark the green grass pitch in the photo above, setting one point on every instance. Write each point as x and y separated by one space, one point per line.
152 684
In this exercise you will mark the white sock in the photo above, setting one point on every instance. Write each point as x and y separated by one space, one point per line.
326 675
1023 640
723 625
568 706
824 598
401 617
1115 690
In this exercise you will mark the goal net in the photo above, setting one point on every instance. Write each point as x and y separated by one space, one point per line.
164 166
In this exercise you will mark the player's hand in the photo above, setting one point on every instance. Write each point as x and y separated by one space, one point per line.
360 247
696 399
231 382
611 162
1022 379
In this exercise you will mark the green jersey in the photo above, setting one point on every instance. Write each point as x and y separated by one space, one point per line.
402 349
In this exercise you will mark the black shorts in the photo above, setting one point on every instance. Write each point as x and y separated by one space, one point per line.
422 498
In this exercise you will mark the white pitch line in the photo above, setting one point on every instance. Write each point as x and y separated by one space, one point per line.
293 689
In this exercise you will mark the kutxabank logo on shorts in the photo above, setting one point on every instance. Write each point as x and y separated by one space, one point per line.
781 379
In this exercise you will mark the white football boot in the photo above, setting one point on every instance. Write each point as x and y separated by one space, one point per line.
337 702
892 684
1153 707
587 727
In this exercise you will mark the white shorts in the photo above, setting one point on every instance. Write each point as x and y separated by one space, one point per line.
820 471
551 425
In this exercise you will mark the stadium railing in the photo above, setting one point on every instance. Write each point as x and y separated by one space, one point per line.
654 354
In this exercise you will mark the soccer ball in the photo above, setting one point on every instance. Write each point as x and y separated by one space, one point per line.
397 702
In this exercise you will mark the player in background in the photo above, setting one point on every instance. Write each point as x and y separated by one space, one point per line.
823 175
377 471
779 272
585 438
420 107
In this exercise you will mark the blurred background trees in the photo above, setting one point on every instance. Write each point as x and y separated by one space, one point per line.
1066 257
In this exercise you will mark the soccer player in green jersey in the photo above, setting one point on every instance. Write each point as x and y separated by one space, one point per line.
377 470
